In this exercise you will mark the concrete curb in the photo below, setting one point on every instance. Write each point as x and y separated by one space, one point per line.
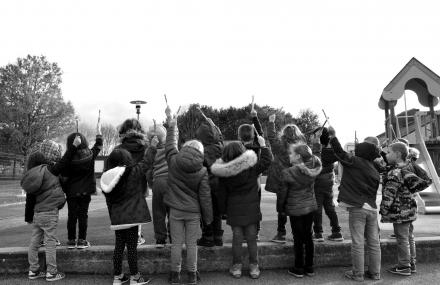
99 259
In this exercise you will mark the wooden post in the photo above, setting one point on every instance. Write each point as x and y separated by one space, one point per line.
387 116
434 125
393 119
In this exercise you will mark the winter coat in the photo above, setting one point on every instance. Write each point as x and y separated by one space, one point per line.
239 182
297 197
123 188
398 202
187 179
135 142
80 174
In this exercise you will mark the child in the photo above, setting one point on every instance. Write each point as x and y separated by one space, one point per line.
324 191
211 138
123 184
44 198
357 193
399 206
297 200
280 143
239 170
188 197
79 185
159 183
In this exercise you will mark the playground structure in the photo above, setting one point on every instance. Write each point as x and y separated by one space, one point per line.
421 129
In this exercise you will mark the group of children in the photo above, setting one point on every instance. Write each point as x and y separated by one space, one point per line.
206 180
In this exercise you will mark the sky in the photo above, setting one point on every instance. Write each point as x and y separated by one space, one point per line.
331 55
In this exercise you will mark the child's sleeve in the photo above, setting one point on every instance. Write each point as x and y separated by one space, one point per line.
29 208
415 183
390 187
272 136
265 160
257 126
171 143
62 166
343 157
205 199
97 147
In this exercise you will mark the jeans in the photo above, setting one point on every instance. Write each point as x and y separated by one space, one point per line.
303 241
160 210
126 237
324 199
184 229
238 233
44 226
78 208
406 246
363 225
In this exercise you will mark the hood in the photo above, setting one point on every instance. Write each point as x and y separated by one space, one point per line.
134 141
33 179
226 169
111 177
367 151
206 134
212 153
189 159
303 173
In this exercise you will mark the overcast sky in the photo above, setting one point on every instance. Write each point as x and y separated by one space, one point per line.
332 55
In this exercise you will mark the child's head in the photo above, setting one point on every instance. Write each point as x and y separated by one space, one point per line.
159 131
119 157
35 159
194 144
246 133
84 144
50 149
397 153
233 150
130 125
372 140
405 141
299 153
413 154
292 134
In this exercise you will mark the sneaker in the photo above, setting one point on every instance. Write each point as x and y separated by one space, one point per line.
404 271
372 276
335 237
71 244
141 240
235 270
138 279
36 274
192 277
318 237
206 242
120 279
55 277
309 271
160 243
279 238
82 244
413 268
297 272
356 277
174 277
393 236
254 271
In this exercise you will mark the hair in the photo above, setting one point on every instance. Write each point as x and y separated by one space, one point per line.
400 147
413 154
194 144
304 152
71 138
119 157
233 150
246 133
35 159
290 133
402 140
372 140
130 124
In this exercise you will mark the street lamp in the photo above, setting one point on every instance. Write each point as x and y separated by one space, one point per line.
138 104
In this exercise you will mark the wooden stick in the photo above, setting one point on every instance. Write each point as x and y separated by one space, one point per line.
77 126
203 114
166 100
178 110
252 103
154 121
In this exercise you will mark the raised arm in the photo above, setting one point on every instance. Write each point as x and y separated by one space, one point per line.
257 123
62 166
147 162
271 132
342 156
171 140
266 156
97 147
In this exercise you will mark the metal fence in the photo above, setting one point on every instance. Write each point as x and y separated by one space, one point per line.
11 166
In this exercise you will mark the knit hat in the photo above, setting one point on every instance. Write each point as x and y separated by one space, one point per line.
367 151
206 134
159 131
246 132
50 149
195 144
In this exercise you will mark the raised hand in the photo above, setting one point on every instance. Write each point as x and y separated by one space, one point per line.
173 122
261 141
168 111
253 113
154 141
77 141
331 132
272 118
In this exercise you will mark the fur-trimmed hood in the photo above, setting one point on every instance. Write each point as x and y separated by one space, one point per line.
111 177
227 169
303 173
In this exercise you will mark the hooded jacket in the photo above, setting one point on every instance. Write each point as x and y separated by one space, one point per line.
135 142
123 188
239 183
189 189
297 197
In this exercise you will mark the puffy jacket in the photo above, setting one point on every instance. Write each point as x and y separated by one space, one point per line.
123 188
239 183
187 179
297 197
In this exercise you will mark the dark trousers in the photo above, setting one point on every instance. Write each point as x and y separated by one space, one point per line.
214 229
160 210
250 233
282 221
303 242
126 237
324 199
78 208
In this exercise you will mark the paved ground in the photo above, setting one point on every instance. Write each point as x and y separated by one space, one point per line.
427 274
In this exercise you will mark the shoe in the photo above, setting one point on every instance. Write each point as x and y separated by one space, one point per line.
318 237
393 236
254 271
413 267
235 270
297 272
404 271
71 244
335 237
174 277
141 241
55 277
138 279
206 242
120 279
350 275
309 271
82 244
279 238
36 274
192 277
160 243
372 276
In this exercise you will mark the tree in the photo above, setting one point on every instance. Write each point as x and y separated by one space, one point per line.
110 137
31 104
307 121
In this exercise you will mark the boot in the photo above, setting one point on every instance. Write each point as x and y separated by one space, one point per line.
206 241
218 238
